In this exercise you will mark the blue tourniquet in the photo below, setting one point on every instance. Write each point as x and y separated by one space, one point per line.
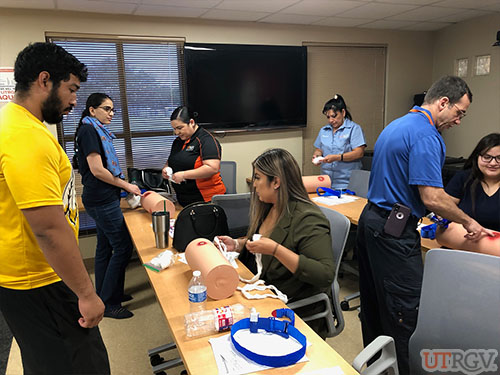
273 325
327 192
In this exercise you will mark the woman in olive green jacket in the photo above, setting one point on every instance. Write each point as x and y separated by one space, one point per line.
295 245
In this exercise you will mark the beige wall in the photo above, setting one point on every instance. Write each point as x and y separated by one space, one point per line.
469 39
409 66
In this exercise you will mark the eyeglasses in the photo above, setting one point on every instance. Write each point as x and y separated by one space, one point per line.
109 109
487 158
461 112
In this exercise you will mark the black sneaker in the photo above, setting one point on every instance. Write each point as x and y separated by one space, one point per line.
118 313
126 297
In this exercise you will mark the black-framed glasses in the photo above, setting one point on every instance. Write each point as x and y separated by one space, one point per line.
461 112
487 158
109 109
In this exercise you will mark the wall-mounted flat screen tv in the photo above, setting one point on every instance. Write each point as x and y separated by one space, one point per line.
247 87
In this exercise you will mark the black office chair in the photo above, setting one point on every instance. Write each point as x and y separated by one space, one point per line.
237 209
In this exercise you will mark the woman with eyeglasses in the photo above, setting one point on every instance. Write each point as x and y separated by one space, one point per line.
476 190
340 144
195 160
103 180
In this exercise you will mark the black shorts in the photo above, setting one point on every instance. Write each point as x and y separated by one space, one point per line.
44 322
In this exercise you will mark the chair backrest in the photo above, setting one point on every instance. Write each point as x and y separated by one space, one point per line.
459 306
339 229
237 209
358 182
228 175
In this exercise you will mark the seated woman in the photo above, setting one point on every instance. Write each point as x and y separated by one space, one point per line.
195 160
295 245
476 190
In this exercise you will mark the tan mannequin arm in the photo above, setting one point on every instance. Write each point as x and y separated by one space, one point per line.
453 237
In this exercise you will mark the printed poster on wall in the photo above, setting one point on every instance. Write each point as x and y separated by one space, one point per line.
7 84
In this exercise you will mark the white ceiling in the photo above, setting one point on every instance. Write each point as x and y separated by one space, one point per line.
421 15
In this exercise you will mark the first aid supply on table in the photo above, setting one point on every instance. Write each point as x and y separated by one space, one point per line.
197 293
208 322
276 327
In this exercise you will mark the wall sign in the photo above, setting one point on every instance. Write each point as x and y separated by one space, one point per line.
7 84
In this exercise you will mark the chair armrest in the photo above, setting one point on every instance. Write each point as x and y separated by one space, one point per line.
387 359
309 301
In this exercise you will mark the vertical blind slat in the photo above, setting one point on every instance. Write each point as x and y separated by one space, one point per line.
146 82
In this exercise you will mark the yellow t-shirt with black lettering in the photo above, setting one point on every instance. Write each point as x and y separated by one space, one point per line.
34 172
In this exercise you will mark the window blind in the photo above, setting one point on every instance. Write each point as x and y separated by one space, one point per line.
145 79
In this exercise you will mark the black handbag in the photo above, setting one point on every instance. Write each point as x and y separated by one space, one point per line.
199 220
149 179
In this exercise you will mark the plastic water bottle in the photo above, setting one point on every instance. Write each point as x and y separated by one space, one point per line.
208 322
197 292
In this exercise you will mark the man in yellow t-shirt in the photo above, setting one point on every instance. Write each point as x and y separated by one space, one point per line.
46 295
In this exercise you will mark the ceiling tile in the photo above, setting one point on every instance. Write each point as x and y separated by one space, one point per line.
408 2
426 13
462 16
233 15
493 7
467 4
206 4
426 26
291 18
168 11
29 4
322 7
374 11
96 6
253 5
385 24
342 22
136 2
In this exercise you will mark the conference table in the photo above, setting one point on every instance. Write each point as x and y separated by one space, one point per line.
170 286
352 210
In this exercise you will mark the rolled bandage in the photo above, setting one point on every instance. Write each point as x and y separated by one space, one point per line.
170 172
311 183
317 160
220 277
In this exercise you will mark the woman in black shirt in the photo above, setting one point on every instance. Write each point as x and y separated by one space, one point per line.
102 181
195 160
476 190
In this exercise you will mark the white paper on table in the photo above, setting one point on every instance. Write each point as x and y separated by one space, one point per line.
325 371
231 362
181 257
332 200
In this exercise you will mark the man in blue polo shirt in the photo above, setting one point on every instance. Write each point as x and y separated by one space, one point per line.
406 170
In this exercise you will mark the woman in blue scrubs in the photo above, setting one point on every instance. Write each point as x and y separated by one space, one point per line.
340 143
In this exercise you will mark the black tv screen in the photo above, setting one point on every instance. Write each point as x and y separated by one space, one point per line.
245 87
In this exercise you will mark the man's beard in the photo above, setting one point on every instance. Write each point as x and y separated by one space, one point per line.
52 108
